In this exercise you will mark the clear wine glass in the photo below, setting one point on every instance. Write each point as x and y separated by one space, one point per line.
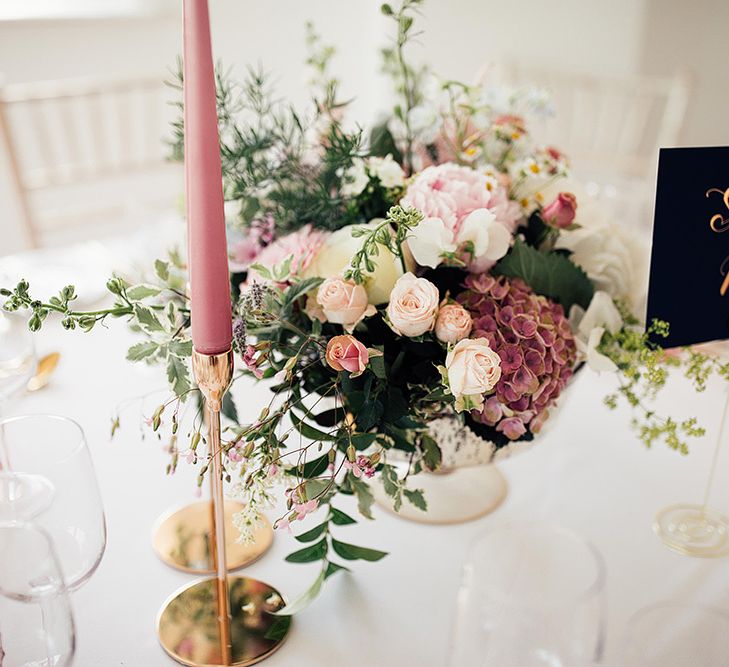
531 595
36 622
670 634
49 479
17 355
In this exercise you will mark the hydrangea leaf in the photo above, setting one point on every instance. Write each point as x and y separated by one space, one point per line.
551 274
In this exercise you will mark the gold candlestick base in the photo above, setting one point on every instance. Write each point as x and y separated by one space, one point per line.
182 539
188 627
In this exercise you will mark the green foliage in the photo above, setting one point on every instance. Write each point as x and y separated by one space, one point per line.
390 234
643 371
551 274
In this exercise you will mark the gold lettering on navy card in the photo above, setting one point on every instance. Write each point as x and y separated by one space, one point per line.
689 274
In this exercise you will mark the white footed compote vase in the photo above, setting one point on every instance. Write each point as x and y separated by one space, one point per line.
465 486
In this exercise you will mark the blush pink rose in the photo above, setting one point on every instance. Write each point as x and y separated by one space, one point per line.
342 302
561 212
346 353
473 368
413 306
453 323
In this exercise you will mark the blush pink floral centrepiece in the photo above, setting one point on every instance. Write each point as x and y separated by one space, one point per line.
534 340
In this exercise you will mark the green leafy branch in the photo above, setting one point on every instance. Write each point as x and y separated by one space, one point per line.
390 234
405 75
643 369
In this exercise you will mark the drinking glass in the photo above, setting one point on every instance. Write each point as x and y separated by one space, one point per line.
49 479
671 634
531 595
17 355
36 623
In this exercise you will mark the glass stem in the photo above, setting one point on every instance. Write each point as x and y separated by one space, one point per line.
715 458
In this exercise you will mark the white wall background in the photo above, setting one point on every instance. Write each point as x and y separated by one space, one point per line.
617 37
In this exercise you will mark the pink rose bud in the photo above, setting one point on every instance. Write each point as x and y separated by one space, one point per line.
561 212
453 323
346 353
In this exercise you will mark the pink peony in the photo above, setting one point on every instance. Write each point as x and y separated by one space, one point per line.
449 192
536 346
346 353
467 213
301 245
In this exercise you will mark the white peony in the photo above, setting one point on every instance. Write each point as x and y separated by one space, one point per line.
589 327
335 256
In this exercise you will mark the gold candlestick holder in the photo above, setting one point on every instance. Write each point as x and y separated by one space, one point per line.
223 620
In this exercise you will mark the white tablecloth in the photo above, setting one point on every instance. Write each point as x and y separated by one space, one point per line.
588 473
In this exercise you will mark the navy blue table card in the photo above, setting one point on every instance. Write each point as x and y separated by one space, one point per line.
689 273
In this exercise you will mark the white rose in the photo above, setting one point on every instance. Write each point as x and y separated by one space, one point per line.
589 327
336 253
413 306
472 369
387 170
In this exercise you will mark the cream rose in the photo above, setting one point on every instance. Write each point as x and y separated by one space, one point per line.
472 369
341 302
336 253
453 323
413 306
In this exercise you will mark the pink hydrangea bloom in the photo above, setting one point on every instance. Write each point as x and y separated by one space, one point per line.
301 245
534 340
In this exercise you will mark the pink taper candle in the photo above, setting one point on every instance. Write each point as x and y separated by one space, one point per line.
207 247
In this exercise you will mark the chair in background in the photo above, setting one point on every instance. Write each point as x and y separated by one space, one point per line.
610 127
87 157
